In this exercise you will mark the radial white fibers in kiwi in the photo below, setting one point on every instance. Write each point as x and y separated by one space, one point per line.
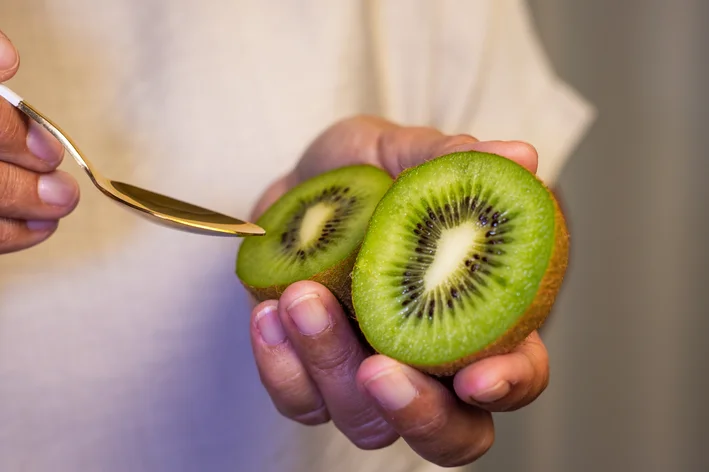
313 232
463 258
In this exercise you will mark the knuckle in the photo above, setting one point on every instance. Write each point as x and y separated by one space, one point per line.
370 431
10 183
333 361
379 441
295 398
8 232
373 434
429 429
314 417
10 127
449 144
292 382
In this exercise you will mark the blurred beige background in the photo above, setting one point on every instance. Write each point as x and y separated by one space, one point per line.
627 344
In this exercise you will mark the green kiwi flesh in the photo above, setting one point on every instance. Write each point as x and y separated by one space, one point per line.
313 232
463 258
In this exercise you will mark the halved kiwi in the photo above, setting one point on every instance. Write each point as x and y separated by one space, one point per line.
462 259
313 232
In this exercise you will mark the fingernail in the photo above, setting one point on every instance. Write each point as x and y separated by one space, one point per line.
56 189
42 144
41 225
8 53
391 388
309 314
269 326
492 394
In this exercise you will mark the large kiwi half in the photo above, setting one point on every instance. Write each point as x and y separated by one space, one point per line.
463 258
313 232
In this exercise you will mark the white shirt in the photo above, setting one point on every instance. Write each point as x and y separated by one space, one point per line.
124 346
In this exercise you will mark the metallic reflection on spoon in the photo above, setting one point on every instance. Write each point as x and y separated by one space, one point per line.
189 217
160 209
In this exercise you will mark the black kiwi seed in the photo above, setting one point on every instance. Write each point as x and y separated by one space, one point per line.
344 206
426 229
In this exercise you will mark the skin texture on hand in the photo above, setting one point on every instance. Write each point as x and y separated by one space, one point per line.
316 370
33 194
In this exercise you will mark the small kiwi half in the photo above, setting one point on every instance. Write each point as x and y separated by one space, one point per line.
463 258
313 232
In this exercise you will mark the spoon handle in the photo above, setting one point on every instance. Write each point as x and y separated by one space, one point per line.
18 102
10 96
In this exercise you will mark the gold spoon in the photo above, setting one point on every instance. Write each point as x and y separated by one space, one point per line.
158 208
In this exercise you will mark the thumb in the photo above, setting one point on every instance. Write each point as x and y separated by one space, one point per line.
373 140
401 148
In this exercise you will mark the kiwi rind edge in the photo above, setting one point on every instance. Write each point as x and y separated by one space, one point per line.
336 278
535 315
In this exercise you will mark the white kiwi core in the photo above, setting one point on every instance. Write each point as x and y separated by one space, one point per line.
452 249
313 222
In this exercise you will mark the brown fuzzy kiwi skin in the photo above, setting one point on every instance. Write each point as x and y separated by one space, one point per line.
336 278
536 313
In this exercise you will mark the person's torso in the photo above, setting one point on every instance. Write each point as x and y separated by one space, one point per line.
123 345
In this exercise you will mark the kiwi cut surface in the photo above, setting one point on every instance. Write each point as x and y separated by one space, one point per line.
313 232
463 258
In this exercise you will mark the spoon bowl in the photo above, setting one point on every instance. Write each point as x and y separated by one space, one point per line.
160 209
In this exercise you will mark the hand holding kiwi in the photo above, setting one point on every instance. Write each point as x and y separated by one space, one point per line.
457 259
